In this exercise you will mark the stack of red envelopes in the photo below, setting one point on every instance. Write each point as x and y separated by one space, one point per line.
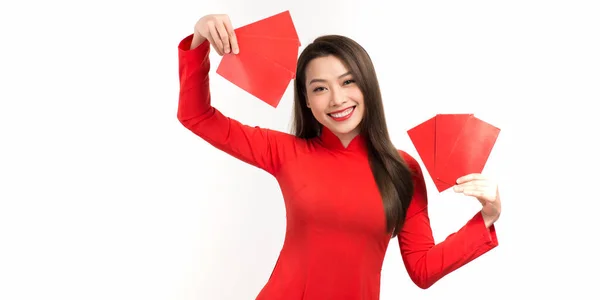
266 62
453 145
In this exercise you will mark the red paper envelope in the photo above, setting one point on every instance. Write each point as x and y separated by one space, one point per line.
266 63
279 26
279 51
256 75
471 150
453 145
447 129
423 138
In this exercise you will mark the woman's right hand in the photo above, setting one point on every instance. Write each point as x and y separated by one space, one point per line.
217 29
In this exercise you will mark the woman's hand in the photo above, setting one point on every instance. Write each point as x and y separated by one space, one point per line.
486 191
217 29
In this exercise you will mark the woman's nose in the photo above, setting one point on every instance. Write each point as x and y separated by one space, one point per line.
337 97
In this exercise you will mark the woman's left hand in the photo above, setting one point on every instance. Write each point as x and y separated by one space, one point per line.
486 191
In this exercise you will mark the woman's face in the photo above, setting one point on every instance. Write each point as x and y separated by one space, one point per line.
333 97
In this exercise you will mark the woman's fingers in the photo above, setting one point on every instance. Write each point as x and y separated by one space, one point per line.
470 177
224 36
479 184
218 31
231 33
216 39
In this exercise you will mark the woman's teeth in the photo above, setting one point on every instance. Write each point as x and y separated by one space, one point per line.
343 113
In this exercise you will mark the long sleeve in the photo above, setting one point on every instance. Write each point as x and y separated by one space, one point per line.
264 148
426 262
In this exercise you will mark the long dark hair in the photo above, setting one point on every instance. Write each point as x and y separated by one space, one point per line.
393 176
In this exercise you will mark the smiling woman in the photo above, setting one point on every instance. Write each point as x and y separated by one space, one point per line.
335 100
347 189
337 89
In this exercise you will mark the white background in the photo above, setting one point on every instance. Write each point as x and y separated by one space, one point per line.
104 195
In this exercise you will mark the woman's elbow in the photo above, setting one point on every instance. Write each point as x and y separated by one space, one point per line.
421 280
423 284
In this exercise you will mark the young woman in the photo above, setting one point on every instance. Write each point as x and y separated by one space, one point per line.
347 189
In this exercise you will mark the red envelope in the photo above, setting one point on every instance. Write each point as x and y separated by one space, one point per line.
279 26
256 75
266 63
453 145
423 138
447 129
470 151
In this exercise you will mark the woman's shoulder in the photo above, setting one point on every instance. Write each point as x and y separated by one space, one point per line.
288 140
410 162
409 159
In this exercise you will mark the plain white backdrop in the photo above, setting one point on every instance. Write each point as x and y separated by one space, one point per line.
104 195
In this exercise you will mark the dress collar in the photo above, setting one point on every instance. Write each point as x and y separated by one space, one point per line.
331 141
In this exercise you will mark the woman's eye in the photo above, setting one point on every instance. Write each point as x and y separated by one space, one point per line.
318 89
349 81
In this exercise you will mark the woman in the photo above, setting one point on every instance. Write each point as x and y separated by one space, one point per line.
347 189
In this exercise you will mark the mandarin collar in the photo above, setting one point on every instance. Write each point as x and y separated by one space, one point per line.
331 141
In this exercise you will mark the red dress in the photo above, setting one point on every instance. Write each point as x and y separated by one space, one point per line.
335 240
